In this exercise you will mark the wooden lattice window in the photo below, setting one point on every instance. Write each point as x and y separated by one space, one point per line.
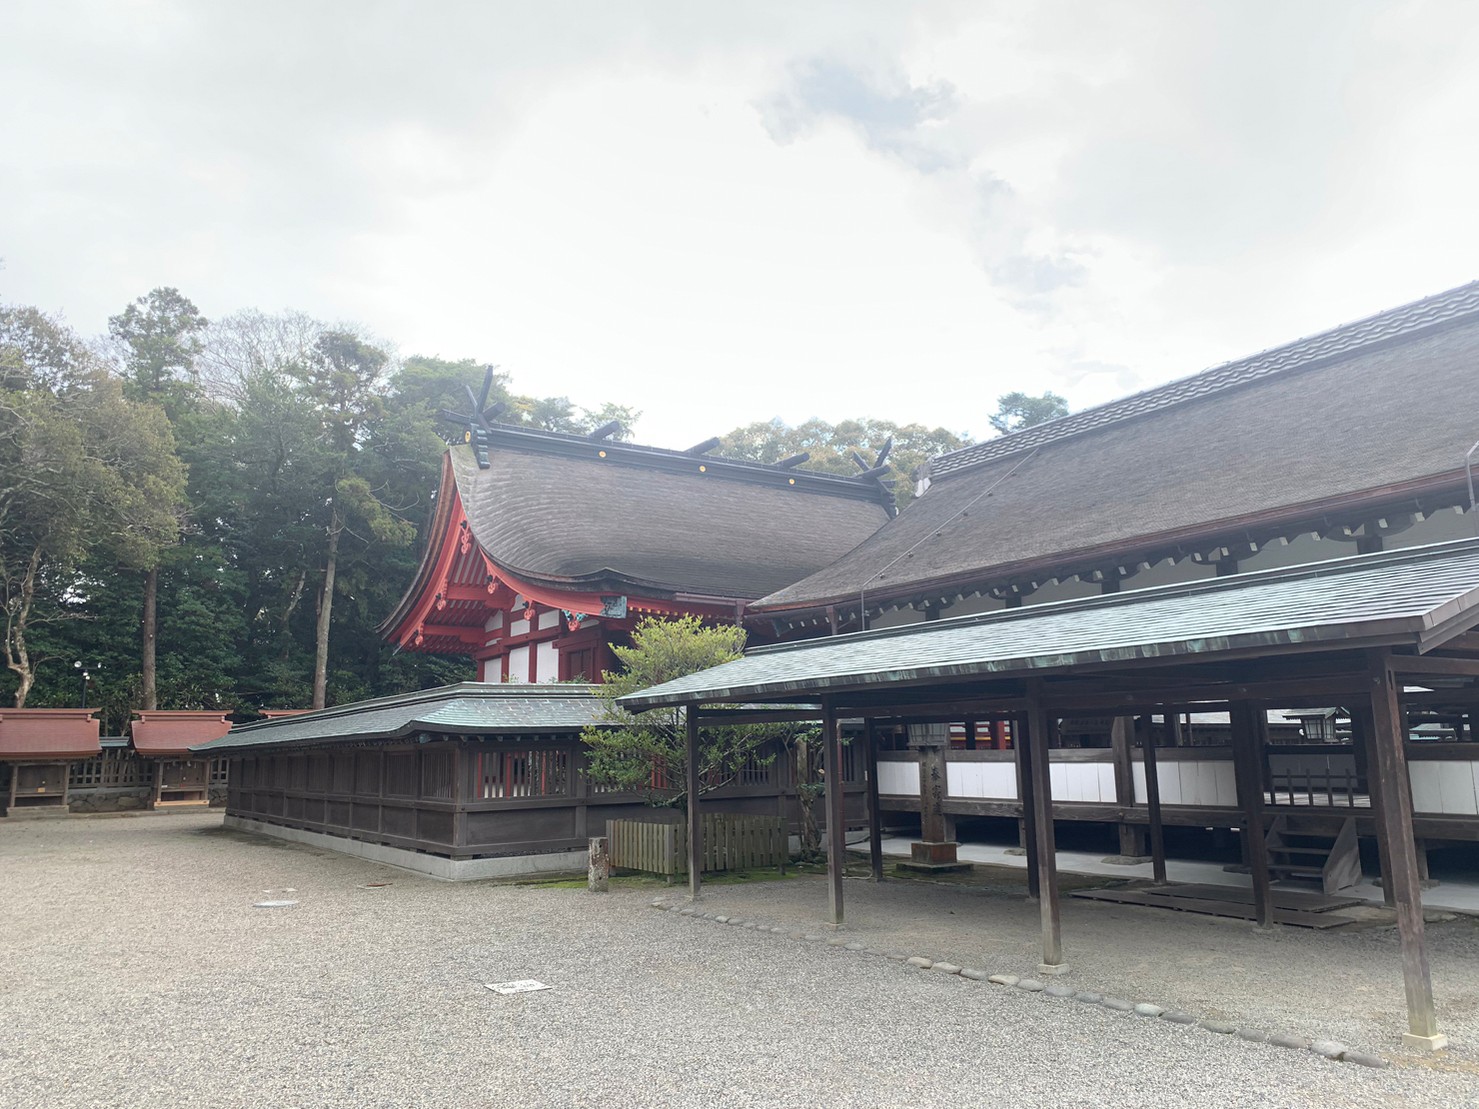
220 772
436 775
502 775
400 774
115 768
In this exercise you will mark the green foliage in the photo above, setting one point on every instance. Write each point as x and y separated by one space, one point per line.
647 751
831 446
1016 410
83 469
223 454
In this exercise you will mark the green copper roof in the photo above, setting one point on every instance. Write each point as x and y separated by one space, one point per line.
1411 597
471 708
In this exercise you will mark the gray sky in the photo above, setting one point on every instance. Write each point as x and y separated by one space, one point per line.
723 212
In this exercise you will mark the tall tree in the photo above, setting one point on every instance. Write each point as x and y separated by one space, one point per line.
832 446
1017 410
160 334
82 468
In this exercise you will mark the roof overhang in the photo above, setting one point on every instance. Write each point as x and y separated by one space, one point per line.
1414 599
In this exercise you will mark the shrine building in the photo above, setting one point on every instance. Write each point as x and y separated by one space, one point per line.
546 549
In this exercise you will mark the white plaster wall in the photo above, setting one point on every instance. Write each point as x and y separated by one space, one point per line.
994 781
1445 787
547 663
518 664
549 619
1082 781
898 779
1191 783
519 627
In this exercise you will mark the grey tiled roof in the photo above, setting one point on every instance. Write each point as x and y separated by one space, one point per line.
1390 598
1398 323
584 522
1324 426
468 708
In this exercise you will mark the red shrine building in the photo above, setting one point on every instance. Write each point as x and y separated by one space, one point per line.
546 549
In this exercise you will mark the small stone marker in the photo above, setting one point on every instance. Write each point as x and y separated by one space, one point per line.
273 904
523 985
1361 1059
599 873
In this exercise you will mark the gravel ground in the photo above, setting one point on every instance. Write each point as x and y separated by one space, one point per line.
138 973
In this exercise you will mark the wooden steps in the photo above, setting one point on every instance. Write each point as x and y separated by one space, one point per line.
1332 861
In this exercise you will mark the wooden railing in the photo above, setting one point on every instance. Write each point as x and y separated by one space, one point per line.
730 842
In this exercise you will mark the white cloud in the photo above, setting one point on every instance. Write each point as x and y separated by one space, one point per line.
720 213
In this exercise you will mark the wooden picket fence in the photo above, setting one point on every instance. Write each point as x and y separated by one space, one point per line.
731 842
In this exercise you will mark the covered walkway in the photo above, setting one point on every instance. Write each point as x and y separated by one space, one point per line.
1379 634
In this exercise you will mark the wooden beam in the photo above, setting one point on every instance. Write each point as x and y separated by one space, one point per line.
1390 763
1363 741
836 830
695 821
875 814
1038 734
1248 768
1435 664
1022 750
1153 804
1121 733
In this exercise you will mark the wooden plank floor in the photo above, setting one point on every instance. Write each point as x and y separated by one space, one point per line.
1307 900
1159 899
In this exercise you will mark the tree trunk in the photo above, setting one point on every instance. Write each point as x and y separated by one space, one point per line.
326 611
17 616
150 694
284 638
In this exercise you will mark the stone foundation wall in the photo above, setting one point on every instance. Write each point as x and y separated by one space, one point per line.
108 800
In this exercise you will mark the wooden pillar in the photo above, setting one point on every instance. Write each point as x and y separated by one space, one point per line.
1153 804
836 830
695 823
1132 837
875 817
1389 764
1363 738
1038 732
1022 749
1247 766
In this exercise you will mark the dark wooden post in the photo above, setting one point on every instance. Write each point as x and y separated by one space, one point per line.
1132 837
836 829
1022 749
970 735
1038 733
875 818
695 821
1153 804
1247 766
1363 738
1389 764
